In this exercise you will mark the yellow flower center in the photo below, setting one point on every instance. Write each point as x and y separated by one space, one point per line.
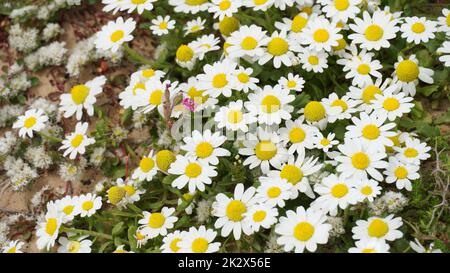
377 228
193 170
200 245
195 2
341 104
360 161
291 84
410 152
391 104
307 10
146 164
163 25
303 231
116 194
68 209
259 2
373 33
130 190
448 20
224 5
12 250
298 23
265 150
363 69
138 2
321 35
77 140
418 28
139 236
74 246
313 60
369 92
270 104
164 158
29 122
204 149
219 80
325 142
138 86
401 172
195 28
292 174
339 190
371 132
243 77
87 205
273 192
235 210
147 73
117 36
297 135
368 250
407 71
341 5
228 25
156 97
51 226
366 190
197 95
79 93
235 116
314 111
259 216
277 46
174 244
156 220
184 53
342 43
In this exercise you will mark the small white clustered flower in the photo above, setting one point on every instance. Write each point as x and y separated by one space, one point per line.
38 157
50 55
51 30
19 172
23 40
72 171
10 112
7 143
389 202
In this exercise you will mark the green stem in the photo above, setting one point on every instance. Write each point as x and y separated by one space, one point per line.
86 232
50 138
135 56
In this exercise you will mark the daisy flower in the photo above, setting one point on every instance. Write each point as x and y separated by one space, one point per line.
146 73
113 5
312 60
391 106
256 5
199 97
324 143
362 68
293 26
171 242
205 44
261 215
12 247
419 248
189 6
244 81
369 246
273 191
345 105
445 51
32 120
81 97
282 4
408 73
292 82
47 231
335 192
413 151
147 168
141 239
296 172
264 148
247 41
319 34
270 104
341 10
222 8
130 98
157 223
373 32
132 190
76 142
371 130
185 56
192 172
162 25
300 136
368 189
195 25
378 228
316 113
114 34
444 21
205 147
231 211
401 173
366 94
217 78
139 5
302 229
153 96
199 240
66 207
418 30
233 117
279 48
358 159
88 204
79 245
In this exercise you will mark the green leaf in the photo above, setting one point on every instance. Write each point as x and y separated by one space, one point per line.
118 228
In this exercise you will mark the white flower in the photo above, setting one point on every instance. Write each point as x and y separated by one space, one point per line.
192 172
369 246
408 73
261 215
279 47
233 117
341 10
157 223
32 120
147 168
319 34
391 106
224 8
195 25
218 78
273 191
445 50
361 67
76 142
188 6
199 240
368 189
47 231
413 151
401 173
244 81
88 204
114 34
300 136
444 21
418 30
325 143
302 229
205 147
419 248
248 41
139 5
66 207
378 228
292 82
80 245
12 247
345 105
171 242
161 25
313 60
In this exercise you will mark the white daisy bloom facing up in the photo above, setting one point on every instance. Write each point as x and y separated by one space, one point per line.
171 242
205 147
12 247
444 51
147 168
261 216
293 26
199 240
161 25
205 44
316 113
247 41
114 34
79 245
401 173
194 26
366 94
408 73
302 229
273 191
369 246
139 5
341 10
413 151
325 143
391 106
66 207
192 172
231 212
82 96
300 136
217 78
312 60
292 82
88 204
279 48
259 5
32 120
234 117
76 142
362 68
345 105
244 81
113 5
378 228
199 97
368 189
320 34
157 223
190 6
224 8
418 30
444 21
